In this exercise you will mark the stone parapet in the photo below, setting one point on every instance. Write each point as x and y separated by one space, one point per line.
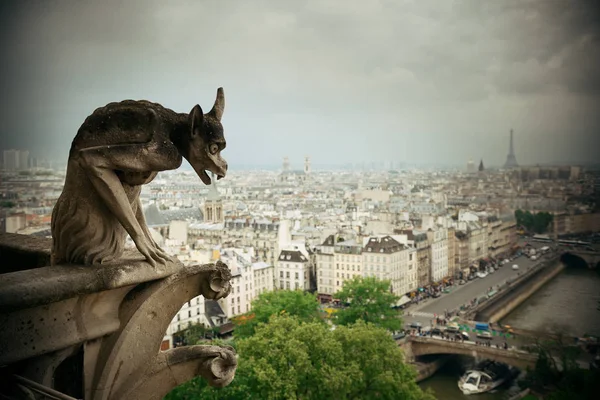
94 332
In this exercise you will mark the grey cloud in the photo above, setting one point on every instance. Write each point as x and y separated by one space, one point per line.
308 76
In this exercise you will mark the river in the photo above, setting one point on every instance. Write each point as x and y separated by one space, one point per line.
445 383
567 304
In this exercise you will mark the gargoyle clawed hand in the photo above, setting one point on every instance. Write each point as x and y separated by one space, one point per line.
118 148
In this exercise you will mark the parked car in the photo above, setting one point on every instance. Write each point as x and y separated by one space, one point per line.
415 325
436 295
463 336
436 332
461 282
399 335
452 327
484 335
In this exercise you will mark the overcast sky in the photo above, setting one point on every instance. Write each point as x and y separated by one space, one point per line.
342 81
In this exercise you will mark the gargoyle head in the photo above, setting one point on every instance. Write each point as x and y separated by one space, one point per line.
207 140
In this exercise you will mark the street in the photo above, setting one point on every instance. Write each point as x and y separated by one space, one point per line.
462 294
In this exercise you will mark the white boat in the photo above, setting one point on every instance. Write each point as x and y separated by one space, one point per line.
487 377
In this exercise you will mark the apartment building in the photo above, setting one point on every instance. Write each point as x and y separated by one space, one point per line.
438 240
292 270
324 260
348 261
451 252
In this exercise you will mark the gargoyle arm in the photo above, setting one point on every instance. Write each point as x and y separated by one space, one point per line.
101 162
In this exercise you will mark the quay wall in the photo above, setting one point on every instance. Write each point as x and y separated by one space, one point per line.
511 297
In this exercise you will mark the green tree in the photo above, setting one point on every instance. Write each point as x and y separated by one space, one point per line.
370 300
297 303
558 376
290 359
538 222
197 333
542 221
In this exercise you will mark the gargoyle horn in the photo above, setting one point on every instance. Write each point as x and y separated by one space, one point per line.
219 107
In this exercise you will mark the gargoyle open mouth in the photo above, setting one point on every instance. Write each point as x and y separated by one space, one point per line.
206 179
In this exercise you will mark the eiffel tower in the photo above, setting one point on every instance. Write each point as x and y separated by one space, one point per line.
511 160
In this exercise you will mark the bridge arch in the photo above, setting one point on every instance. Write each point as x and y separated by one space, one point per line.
573 260
421 346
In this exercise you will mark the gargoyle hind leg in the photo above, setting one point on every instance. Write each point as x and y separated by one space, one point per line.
100 164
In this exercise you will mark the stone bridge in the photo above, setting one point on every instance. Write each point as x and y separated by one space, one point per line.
592 258
416 346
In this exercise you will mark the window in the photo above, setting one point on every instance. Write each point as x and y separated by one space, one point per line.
287 274
281 274
296 276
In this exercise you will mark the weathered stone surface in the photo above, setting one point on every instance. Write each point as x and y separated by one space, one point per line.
30 288
94 332
118 148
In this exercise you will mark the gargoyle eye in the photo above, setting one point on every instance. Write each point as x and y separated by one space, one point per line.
213 148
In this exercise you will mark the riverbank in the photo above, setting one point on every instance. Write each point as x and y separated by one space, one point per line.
516 292
427 369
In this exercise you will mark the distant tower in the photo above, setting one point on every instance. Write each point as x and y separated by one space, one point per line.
481 167
511 160
213 205
470 166
307 165
286 164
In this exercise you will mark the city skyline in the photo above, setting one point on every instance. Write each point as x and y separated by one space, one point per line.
348 83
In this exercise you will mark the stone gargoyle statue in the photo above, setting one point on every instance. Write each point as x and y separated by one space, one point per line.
117 149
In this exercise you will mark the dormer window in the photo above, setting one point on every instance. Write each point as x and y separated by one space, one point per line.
288 257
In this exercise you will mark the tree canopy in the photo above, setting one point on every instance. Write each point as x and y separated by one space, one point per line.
538 222
370 300
302 305
290 359
558 376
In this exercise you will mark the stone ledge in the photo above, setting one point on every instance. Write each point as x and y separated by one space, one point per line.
43 285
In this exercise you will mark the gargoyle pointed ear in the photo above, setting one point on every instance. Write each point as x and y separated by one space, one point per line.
196 118
219 107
